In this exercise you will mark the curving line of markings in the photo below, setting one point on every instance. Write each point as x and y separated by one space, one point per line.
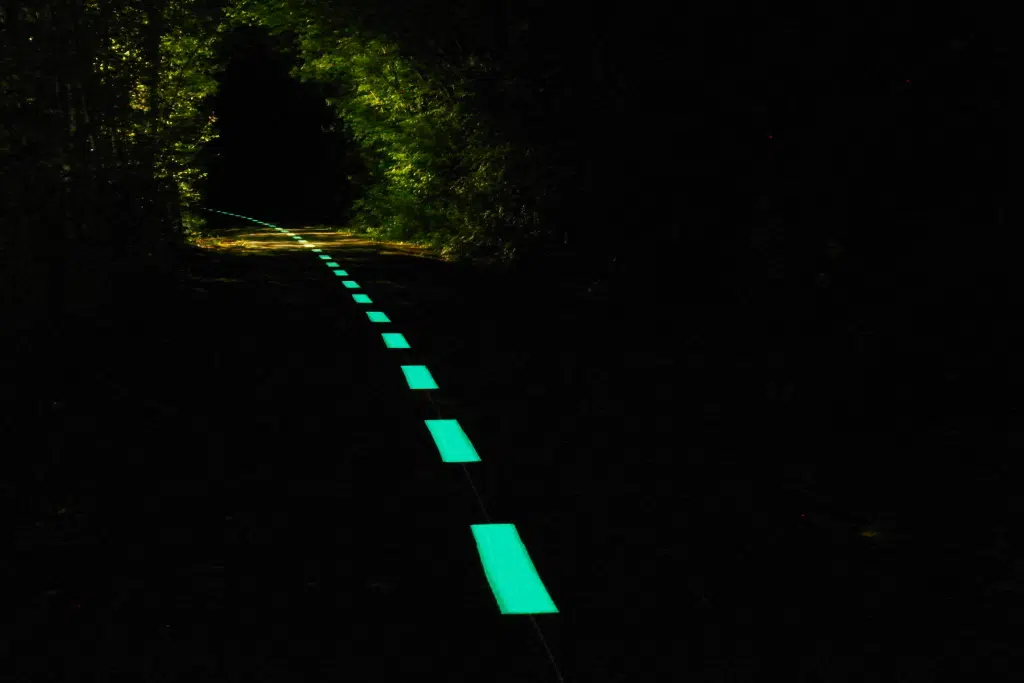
507 566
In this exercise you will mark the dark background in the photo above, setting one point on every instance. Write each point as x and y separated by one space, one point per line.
275 156
804 336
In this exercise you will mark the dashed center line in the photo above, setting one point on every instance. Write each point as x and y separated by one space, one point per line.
452 443
510 571
394 340
506 563
419 377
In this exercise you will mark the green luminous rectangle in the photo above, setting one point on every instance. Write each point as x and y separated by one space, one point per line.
318 251
349 284
377 317
361 299
419 377
296 237
325 257
510 572
342 273
332 264
394 340
452 442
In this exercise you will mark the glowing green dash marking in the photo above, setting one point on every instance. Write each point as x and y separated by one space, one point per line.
514 580
419 377
332 264
319 250
361 299
394 340
452 442
377 317
342 273
323 256
350 284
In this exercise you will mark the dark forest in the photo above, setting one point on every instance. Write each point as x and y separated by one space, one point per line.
716 291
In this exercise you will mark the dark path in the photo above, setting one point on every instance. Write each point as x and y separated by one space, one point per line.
238 485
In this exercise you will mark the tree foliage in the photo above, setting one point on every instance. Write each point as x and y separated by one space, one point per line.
103 111
437 169
102 117
493 130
